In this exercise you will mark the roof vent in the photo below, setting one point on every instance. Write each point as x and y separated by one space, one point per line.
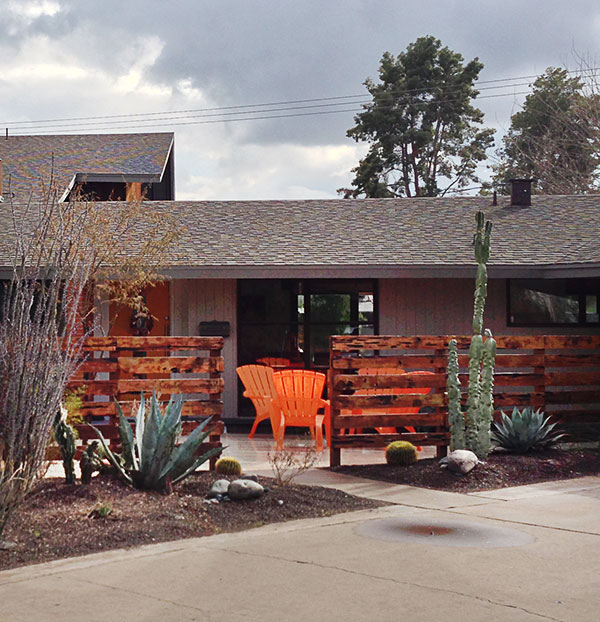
520 191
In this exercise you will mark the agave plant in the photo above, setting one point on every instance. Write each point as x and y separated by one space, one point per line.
151 458
524 431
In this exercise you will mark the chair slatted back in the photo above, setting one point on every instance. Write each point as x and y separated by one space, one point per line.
299 394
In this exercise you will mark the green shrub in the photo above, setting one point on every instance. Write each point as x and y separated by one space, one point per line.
228 466
524 431
152 459
400 453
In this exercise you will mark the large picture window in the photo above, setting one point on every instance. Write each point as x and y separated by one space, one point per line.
553 302
293 319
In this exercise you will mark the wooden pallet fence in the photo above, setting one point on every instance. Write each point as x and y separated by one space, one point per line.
121 368
557 373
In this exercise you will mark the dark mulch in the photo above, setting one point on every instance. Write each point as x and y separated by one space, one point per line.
58 521
501 470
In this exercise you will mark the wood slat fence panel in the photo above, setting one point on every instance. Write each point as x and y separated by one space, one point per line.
557 373
121 368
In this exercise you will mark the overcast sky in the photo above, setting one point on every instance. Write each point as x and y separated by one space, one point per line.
66 59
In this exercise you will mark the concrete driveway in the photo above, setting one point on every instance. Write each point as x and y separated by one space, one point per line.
520 554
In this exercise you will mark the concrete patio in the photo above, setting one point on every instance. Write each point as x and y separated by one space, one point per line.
518 554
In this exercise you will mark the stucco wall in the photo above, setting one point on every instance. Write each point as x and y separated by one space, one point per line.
203 300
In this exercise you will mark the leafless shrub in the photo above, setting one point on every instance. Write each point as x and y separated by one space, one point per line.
57 251
288 463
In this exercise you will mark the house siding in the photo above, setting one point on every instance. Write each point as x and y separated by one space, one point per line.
203 300
406 307
445 306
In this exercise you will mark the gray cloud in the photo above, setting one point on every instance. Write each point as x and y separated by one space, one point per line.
238 52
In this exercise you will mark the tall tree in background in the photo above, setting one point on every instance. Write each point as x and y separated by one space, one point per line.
422 128
555 138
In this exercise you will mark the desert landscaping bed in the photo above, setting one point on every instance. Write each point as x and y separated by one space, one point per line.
499 471
58 520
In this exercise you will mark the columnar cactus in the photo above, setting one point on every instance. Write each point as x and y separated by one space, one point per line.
475 435
65 437
455 414
486 399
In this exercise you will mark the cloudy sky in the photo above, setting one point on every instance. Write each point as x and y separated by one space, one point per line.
77 60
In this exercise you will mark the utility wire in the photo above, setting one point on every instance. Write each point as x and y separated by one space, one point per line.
340 99
149 124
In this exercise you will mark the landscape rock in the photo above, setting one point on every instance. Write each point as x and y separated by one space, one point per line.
244 489
250 476
460 461
218 489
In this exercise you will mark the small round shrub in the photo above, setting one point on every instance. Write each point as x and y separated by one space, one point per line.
228 466
400 453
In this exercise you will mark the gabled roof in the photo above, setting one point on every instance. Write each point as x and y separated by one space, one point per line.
28 161
382 237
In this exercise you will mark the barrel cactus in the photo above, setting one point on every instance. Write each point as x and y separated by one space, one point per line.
400 453
228 466
151 459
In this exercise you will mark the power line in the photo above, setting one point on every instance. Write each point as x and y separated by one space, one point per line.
152 124
141 117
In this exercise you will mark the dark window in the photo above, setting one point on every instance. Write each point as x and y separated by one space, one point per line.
293 319
553 302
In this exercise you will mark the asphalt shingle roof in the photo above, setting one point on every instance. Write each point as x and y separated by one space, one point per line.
424 232
29 160
383 232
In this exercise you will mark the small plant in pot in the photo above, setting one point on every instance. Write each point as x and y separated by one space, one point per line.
152 459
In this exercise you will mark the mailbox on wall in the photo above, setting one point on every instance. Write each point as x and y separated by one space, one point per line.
214 329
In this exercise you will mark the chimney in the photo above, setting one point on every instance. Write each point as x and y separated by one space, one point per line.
520 191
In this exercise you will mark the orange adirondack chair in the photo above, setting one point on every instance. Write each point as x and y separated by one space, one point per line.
299 396
260 389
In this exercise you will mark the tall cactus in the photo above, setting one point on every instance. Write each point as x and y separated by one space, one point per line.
486 399
480 404
456 418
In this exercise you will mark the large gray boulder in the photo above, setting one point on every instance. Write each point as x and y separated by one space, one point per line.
460 461
244 489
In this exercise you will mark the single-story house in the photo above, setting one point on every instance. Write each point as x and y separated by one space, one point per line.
276 278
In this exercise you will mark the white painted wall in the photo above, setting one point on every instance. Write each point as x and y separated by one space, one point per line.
203 300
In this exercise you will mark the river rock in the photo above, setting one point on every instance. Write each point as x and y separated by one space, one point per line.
460 461
219 488
251 476
244 489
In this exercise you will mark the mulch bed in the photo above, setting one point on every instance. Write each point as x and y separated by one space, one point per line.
500 470
57 520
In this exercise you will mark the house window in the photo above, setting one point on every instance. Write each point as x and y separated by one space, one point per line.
553 302
293 319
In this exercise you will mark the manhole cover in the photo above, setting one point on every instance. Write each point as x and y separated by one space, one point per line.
445 532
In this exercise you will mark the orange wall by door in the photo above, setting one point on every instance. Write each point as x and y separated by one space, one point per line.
157 300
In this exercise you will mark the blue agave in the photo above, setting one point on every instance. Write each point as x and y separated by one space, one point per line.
151 458
524 431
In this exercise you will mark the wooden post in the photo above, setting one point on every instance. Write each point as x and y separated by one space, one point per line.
541 370
214 397
335 457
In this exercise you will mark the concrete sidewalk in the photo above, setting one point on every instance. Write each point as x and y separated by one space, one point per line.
520 554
